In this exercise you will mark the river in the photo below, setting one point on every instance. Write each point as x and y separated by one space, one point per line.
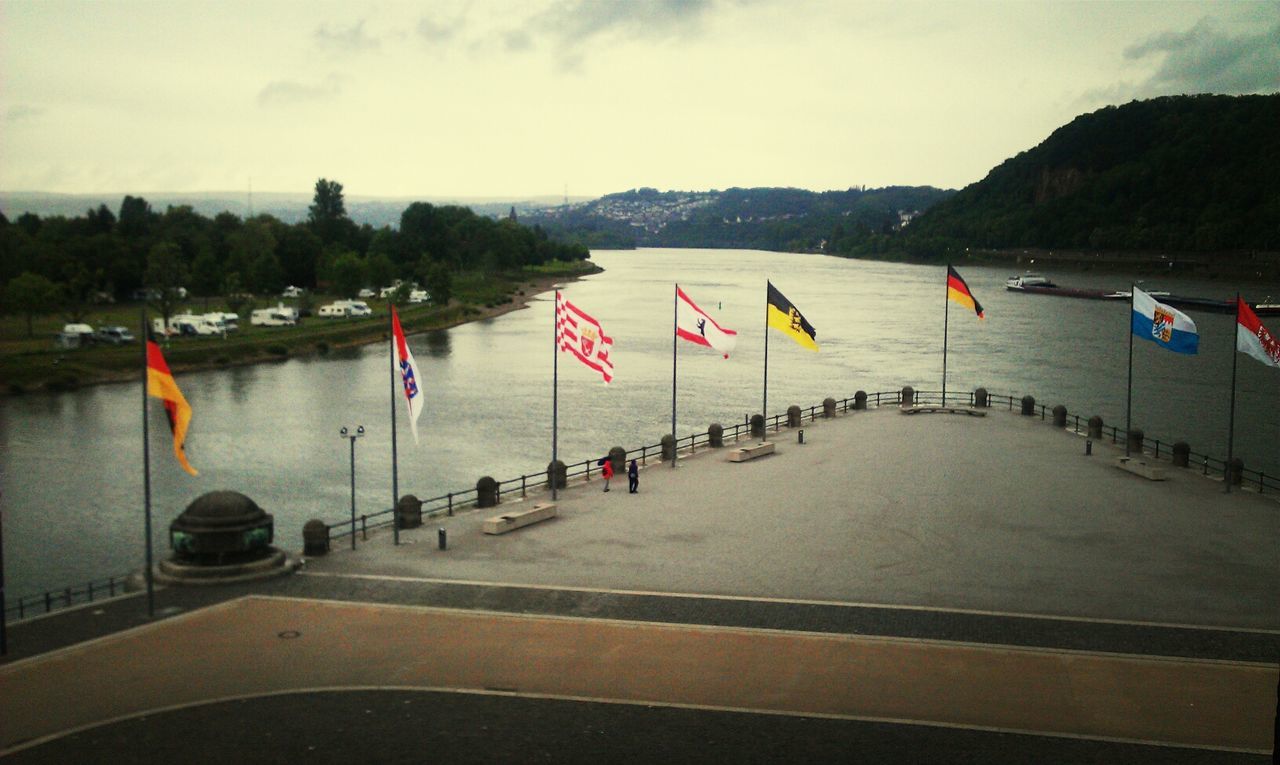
70 464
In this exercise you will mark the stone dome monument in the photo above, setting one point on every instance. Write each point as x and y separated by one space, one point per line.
223 536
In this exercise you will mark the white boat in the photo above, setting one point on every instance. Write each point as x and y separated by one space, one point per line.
1027 280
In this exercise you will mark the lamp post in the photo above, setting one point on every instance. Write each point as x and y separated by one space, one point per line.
359 432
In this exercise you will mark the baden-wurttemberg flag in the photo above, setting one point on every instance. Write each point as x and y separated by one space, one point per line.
693 324
787 319
1253 338
580 334
958 292
1163 325
409 376
160 384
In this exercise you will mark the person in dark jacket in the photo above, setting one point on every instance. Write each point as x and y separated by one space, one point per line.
633 477
607 472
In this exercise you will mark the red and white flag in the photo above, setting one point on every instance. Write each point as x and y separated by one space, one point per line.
693 324
1253 338
580 334
408 373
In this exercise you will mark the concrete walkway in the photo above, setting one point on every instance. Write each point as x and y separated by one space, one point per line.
899 587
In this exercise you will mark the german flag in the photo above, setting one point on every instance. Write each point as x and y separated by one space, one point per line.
160 384
787 319
958 292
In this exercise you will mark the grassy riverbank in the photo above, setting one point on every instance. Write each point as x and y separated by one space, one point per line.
34 364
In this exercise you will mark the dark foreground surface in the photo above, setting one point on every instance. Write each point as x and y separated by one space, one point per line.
419 726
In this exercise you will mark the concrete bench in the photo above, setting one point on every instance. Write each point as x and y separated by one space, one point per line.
744 453
943 410
501 524
1139 466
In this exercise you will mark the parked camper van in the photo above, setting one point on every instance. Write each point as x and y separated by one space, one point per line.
271 317
356 307
232 320
419 296
334 310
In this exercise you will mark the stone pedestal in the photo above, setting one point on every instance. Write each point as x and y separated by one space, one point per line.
1060 416
668 448
1134 441
315 537
1028 405
715 435
757 426
793 416
1095 427
828 407
557 474
1181 454
980 398
860 400
409 512
486 492
908 397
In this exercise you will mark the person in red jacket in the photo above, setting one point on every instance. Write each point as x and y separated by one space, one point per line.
607 472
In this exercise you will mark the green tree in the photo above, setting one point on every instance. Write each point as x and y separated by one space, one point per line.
30 294
379 271
247 246
437 279
234 294
346 274
135 217
327 215
166 274
266 276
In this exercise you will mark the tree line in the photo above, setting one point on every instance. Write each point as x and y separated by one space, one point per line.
74 263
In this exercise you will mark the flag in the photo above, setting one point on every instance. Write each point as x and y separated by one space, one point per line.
408 373
580 334
1253 338
160 384
1163 325
694 325
787 319
958 292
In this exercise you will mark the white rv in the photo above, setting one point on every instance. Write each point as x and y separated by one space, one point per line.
356 307
334 310
271 317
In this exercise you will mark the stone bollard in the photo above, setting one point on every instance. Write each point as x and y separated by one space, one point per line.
1095 427
980 398
1235 471
618 456
1028 405
315 537
793 416
860 400
1181 454
757 426
409 512
908 397
715 435
560 472
828 407
486 492
668 448
1060 416
1134 442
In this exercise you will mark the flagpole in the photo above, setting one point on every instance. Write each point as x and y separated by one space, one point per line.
555 394
675 323
1128 393
1231 419
764 407
946 320
146 470
395 468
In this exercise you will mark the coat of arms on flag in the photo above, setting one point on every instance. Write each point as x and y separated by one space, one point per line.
1162 325
693 324
580 334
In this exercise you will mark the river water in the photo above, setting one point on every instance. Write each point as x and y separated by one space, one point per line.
70 464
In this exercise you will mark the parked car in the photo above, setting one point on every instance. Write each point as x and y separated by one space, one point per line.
366 293
114 335
419 296
291 292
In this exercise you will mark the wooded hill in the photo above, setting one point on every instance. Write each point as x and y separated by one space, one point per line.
1183 174
783 219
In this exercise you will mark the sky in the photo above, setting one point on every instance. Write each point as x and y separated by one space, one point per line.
486 98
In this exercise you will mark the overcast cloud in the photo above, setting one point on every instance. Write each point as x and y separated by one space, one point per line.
507 98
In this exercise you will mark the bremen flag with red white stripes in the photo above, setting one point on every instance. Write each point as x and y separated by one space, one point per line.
1253 338
693 324
580 334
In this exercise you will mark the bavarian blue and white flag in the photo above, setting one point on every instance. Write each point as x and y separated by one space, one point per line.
1163 325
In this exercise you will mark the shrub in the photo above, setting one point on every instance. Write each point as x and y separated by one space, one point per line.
277 350
322 348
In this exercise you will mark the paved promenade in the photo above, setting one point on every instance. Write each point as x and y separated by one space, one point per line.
925 588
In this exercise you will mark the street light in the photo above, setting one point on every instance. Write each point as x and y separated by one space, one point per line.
359 432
